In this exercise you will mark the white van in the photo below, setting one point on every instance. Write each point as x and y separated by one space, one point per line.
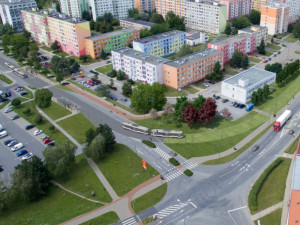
3 134
17 147
1 128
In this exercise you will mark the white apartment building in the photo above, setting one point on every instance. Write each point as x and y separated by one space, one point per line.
237 8
209 17
118 8
294 11
74 8
260 33
138 66
10 12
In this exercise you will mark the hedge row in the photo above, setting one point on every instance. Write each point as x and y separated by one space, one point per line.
174 161
149 143
188 172
252 200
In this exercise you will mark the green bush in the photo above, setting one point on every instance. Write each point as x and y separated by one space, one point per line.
149 143
188 172
174 162
148 220
15 102
26 111
51 127
283 45
252 199
38 119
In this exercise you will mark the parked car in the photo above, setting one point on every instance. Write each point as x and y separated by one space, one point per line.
123 99
1 169
3 134
237 105
47 140
14 117
73 78
17 147
37 132
255 148
8 141
8 110
1 128
242 106
265 61
30 126
205 84
113 98
27 156
45 137
224 100
51 144
216 97
24 93
22 152
233 103
12 143
81 76
211 82
108 61
94 72
278 52
114 88
269 59
275 55
19 89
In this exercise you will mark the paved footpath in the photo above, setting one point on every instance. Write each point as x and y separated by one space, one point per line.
266 211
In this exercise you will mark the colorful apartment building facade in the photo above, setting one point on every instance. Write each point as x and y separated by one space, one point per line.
260 33
110 41
256 4
237 8
37 24
245 43
176 6
138 66
138 24
144 5
162 45
275 16
209 17
191 68
294 11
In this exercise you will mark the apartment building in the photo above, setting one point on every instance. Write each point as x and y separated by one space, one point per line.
69 33
275 16
260 33
36 23
209 17
118 8
74 8
256 4
163 44
110 41
138 24
196 39
10 12
144 5
245 43
294 11
176 6
138 66
236 8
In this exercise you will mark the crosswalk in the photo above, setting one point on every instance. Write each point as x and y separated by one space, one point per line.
129 221
167 211
139 140
46 87
189 165
172 174
162 153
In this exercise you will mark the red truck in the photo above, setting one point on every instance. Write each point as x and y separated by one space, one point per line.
281 120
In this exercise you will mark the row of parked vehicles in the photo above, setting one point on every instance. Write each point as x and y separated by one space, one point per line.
269 58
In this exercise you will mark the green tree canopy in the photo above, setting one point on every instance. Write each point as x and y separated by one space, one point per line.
254 17
261 47
241 22
157 18
126 89
42 97
185 50
198 102
236 59
96 149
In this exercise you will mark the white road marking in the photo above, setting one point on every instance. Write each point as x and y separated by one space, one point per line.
232 210
129 221
169 210
189 165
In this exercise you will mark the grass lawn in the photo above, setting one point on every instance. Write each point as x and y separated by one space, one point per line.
216 137
272 191
231 72
76 126
3 104
55 208
33 88
281 96
46 48
83 181
61 54
293 147
269 53
275 47
22 99
191 90
63 87
170 92
291 39
254 59
29 95
197 48
149 199
123 106
105 69
274 218
5 79
297 52
54 134
123 169
234 155
56 111
90 61
107 218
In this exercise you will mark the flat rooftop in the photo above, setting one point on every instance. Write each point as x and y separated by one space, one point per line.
249 29
159 36
95 37
231 39
193 36
141 22
254 75
185 60
140 55
276 5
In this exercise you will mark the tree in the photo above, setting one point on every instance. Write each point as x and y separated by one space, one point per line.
38 119
15 102
254 17
86 15
261 47
129 45
236 59
31 179
156 18
55 46
175 22
241 22
260 95
42 97
115 22
26 34
153 113
90 135
145 33
84 58
159 28
108 136
59 160
96 150
266 91
6 29
132 13
103 90
181 103
275 67
254 98
185 50
245 62
64 66
103 55
207 111
121 75
291 27
198 102
57 7
92 24
59 78
112 73
227 29
296 31
234 31
126 89
144 16
217 74
190 114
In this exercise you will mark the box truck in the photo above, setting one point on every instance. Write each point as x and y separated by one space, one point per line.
281 120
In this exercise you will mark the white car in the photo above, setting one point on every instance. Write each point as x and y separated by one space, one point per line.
205 85
27 156
3 134
37 132
8 110
17 147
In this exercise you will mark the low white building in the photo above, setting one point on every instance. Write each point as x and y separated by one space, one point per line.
196 39
241 86
138 66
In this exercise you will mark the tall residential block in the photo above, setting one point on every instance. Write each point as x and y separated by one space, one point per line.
260 33
138 66
118 8
191 68
144 5
237 8
36 23
256 4
163 44
110 41
245 43
74 8
176 6
138 24
10 12
69 33
294 11
209 17
275 16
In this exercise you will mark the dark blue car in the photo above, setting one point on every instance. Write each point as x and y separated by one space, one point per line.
22 152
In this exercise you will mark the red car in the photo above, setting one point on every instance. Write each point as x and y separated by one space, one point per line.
265 61
47 140
81 76
73 78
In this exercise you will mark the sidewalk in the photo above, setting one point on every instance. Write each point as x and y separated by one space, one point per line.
266 211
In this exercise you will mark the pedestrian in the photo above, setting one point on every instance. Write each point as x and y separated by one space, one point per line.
234 148
150 138
93 193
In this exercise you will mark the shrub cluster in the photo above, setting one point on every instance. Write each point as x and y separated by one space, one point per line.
174 162
149 143
188 172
